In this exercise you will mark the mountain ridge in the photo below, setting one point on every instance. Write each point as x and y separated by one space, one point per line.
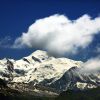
44 70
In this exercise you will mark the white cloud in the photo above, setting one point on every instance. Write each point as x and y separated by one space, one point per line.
91 66
59 35
5 42
98 50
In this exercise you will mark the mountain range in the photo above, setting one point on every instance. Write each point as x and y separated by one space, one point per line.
44 74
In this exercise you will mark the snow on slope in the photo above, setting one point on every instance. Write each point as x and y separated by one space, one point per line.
41 68
38 66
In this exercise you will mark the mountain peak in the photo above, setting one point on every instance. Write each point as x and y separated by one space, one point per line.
39 52
42 55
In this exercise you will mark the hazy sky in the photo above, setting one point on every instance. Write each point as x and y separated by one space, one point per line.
63 28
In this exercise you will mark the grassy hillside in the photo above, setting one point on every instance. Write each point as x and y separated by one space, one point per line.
10 94
7 93
93 94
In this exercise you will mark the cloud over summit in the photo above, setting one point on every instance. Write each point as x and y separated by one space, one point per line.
91 66
59 35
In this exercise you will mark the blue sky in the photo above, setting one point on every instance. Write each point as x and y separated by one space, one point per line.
17 15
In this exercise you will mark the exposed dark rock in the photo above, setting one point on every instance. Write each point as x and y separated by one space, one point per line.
21 72
10 66
3 83
26 60
36 59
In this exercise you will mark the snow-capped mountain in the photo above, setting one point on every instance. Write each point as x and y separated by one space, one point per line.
40 68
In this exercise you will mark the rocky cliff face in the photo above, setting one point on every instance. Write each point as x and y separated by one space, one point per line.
46 72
